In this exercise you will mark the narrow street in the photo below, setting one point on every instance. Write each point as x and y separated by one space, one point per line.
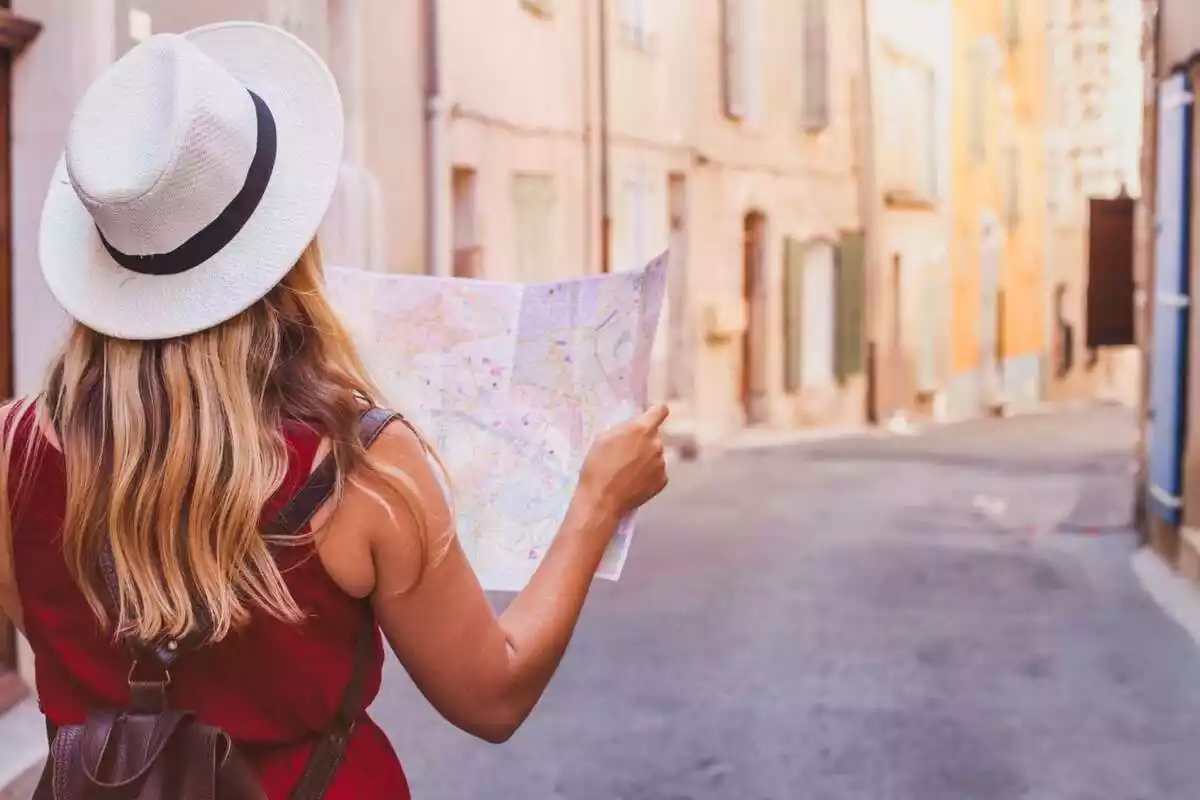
950 616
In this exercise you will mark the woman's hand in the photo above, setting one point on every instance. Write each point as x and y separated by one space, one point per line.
625 467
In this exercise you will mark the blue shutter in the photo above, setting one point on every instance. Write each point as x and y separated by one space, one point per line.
1168 358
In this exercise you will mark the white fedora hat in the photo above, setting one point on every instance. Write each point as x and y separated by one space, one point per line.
197 169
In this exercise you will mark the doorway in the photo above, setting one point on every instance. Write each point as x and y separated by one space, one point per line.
754 290
990 316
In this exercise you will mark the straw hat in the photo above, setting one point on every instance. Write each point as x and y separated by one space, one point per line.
197 169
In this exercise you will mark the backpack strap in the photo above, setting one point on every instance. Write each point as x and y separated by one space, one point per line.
331 748
327 756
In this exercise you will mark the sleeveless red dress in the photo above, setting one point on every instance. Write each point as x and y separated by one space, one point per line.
272 686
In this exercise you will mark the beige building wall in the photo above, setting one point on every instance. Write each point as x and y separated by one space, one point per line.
802 183
1094 110
374 49
913 37
514 88
651 127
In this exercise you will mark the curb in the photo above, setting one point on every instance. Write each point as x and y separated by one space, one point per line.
686 445
22 746
1178 597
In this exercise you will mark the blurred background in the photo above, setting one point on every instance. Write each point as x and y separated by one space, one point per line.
925 345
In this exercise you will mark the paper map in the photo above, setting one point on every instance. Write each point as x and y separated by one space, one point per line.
510 383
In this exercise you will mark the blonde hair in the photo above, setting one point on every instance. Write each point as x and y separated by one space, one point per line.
173 447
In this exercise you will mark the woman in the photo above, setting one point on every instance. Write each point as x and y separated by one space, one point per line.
204 380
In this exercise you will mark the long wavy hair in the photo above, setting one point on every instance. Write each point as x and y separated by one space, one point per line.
173 447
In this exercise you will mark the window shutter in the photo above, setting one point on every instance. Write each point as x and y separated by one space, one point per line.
793 322
930 174
1110 288
851 287
815 111
978 103
1013 184
533 207
1012 23
733 66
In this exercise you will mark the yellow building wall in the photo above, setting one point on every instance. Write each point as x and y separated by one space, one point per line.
975 186
1014 111
1025 251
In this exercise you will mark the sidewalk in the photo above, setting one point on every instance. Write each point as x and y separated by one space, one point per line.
22 749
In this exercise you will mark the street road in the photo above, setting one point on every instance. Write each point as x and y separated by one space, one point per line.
949 616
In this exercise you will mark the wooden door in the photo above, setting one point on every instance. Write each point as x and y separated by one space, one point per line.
11 687
754 338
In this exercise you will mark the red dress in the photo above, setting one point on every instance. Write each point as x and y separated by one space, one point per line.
274 687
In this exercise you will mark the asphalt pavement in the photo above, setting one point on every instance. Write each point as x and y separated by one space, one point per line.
950 616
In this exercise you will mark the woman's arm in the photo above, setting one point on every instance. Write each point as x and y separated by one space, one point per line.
482 672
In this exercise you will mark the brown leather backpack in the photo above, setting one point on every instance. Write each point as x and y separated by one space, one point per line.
152 752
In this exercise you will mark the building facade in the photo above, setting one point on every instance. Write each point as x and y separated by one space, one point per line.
1093 147
911 52
532 140
775 266
998 236
1167 260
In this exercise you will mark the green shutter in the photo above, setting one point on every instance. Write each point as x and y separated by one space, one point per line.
851 288
793 308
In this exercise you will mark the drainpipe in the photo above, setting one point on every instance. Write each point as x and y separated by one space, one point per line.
437 173
589 145
605 216
871 220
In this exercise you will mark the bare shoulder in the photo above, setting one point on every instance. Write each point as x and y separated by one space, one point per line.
404 474
379 534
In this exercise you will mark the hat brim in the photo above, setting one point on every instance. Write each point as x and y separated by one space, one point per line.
306 104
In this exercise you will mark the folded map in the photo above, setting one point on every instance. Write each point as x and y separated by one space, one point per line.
510 383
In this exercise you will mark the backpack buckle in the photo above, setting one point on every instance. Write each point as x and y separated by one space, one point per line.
148 695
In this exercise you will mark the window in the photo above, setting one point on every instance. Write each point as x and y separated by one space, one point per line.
1012 185
534 229
733 55
541 8
815 101
977 124
740 58
1012 23
636 28
909 107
